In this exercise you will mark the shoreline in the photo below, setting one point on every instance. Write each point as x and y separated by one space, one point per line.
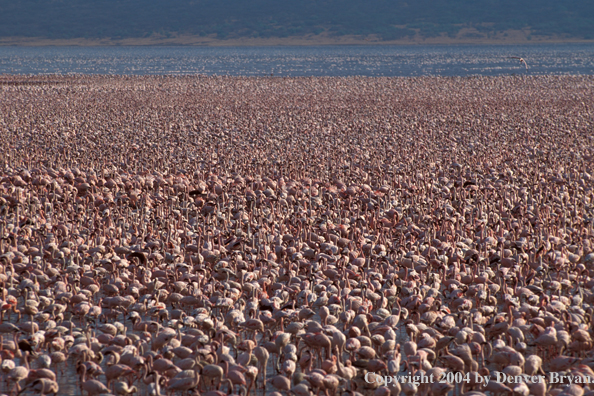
505 38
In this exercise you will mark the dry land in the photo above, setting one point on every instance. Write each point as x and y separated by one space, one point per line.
465 36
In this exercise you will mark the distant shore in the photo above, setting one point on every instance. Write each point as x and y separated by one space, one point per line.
468 36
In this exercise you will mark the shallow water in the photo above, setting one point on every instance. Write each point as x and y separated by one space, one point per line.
68 378
460 60
69 385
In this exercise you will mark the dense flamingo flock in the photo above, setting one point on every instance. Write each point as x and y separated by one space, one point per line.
302 236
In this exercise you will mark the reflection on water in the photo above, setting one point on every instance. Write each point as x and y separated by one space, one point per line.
68 379
303 61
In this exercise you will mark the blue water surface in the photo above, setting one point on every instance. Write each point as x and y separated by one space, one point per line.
459 60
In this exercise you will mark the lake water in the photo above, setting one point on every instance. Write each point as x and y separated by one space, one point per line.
461 60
